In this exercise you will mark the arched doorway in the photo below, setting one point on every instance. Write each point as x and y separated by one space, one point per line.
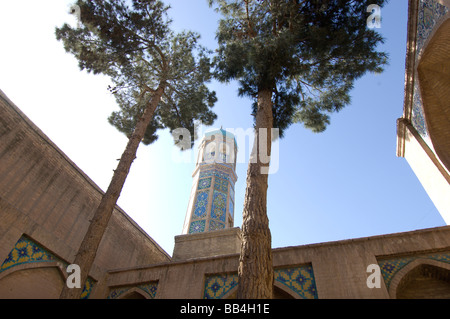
32 281
422 279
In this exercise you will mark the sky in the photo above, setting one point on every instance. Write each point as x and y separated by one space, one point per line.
344 183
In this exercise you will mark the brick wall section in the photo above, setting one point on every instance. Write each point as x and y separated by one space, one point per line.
340 268
46 196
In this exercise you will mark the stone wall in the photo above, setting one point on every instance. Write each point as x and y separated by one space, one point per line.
334 270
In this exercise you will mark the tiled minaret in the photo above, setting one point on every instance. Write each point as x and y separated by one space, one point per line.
211 204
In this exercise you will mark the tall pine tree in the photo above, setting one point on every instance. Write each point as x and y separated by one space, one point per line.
158 79
298 61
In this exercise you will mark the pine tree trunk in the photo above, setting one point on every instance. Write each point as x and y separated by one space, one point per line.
255 262
89 246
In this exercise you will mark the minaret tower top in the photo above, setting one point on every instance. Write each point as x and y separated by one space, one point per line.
211 203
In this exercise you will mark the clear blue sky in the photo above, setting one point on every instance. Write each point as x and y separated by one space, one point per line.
344 183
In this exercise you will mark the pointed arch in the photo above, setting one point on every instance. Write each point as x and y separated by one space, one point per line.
33 281
415 271
135 293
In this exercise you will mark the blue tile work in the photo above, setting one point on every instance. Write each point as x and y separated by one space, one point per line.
390 267
430 12
418 115
200 205
217 286
298 279
206 173
197 227
214 172
222 175
218 182
221 185
149 288
219 206
215 225
26 251
204 183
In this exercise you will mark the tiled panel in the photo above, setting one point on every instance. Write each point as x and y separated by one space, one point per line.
298 279
218 208
197 226
200 205
217 286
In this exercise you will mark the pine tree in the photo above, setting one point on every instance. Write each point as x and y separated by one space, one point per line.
159 81
298 61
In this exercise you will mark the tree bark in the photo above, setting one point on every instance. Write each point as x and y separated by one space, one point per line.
89 246
255 261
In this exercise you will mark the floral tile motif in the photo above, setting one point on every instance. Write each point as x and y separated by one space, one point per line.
298 279
221 185
149 288
215 225
197 227
430 12
204 183
200 205
217 286
390 267
218 209
26 251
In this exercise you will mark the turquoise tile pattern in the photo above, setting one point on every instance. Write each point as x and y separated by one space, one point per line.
299 280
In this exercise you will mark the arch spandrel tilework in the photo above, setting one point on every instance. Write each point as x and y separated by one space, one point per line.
390 267
430 12
217 286
299 280
27 251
